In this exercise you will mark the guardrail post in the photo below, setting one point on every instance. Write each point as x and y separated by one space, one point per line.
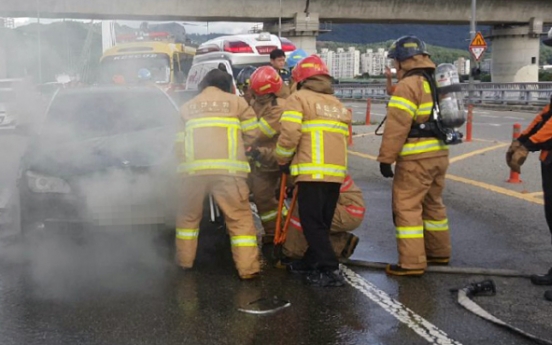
514 176
368 111
469 124
350 141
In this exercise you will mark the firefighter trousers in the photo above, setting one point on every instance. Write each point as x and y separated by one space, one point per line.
342 223
232 196
546 171
419 213
263 186
317 202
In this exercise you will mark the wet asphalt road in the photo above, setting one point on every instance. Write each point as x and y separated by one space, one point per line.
121 287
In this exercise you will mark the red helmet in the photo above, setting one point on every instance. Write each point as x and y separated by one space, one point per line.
265 80
309 67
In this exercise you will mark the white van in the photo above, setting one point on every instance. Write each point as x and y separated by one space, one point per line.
234 52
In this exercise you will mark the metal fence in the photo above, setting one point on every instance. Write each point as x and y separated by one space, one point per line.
484 93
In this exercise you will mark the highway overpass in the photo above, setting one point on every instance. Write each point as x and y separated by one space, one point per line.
337 11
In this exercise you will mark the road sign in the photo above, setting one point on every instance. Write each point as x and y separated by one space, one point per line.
478 46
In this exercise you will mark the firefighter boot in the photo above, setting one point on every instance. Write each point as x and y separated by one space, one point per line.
542 279
397 270
433 260
548 295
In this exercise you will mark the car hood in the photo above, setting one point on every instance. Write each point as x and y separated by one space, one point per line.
140 149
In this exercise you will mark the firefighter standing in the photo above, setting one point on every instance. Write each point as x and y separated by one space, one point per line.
265 84
348 216
537 137
278 62
210 147
419 214
292 61
314 130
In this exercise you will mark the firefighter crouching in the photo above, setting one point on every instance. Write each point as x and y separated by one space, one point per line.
313 137
537 137
265 173
348 216
210 148
419 214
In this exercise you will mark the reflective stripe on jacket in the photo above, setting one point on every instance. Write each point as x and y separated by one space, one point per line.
411 103
314 137
216 126
544 133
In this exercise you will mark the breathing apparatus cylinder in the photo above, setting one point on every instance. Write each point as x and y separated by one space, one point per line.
451 100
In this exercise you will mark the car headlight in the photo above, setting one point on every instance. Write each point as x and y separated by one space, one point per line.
46 184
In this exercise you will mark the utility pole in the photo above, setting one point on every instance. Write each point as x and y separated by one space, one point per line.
39 43
472 60
280 21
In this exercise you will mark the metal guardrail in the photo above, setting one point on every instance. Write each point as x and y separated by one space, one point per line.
484 93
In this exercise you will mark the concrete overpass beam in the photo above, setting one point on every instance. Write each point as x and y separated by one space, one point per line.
516 49
302 30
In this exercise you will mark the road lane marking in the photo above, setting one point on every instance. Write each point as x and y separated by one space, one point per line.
483 185
496 189
363 135
536 194
476 152
418 324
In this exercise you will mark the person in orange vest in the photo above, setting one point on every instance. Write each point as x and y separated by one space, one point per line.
537 137
265 83
217 127
419 215
312 147
348 216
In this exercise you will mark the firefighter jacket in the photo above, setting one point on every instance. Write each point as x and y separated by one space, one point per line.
314 131
538 136
216 126
411 103
269 109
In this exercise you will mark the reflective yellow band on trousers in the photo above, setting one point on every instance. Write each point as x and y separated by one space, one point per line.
410 232
423 147
187 234
243 241
214 164
266 128
318 170
436 225
268 216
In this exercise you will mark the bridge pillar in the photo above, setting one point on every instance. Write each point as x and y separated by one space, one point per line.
3 58
516 49
301 30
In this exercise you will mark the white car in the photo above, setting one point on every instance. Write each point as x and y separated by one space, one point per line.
234 52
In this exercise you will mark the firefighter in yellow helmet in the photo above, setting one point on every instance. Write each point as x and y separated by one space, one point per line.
217 126
312 146
348 216
419 214
265 83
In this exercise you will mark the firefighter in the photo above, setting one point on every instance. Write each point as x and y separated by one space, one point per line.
243 83
278 62
419 214
265 84
291 62
537 137
312 147
348 216
210 147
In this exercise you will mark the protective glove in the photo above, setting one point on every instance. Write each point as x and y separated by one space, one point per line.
513 147
518 158
284 168
386 170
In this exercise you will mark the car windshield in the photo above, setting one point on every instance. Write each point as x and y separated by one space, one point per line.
128 66
84 115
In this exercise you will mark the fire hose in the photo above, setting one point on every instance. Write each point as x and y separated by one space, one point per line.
488 288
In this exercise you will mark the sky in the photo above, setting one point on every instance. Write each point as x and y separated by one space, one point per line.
191 27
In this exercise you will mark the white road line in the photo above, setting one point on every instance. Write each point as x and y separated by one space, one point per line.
513 118
418 324
491 116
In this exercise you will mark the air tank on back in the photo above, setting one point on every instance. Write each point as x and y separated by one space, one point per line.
451 97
